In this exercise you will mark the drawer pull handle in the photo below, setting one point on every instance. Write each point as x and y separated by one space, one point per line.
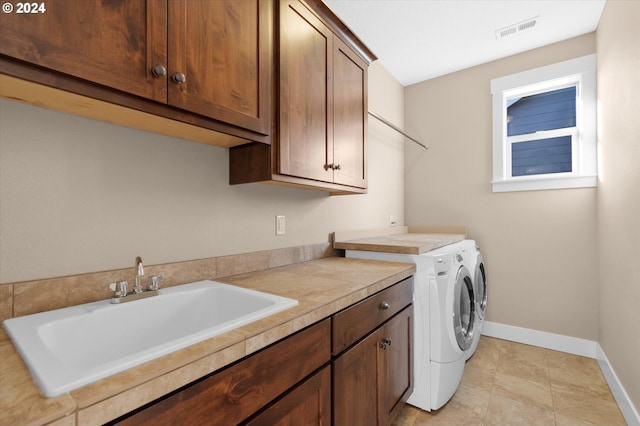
385 305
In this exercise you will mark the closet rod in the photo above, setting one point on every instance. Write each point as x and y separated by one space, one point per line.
397 129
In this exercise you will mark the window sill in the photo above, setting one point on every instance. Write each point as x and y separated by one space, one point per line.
536 184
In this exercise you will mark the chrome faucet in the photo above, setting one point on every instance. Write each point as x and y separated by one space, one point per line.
119 288
137 288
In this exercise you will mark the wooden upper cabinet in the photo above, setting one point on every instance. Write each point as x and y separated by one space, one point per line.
112 43
223 50
209 57
323 101
306 62
350 109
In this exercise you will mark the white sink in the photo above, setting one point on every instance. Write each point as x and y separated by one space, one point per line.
71 347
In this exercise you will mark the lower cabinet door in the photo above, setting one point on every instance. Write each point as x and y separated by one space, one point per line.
308 404
373 379
396 380
355 383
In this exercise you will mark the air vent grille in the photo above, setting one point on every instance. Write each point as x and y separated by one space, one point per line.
516 28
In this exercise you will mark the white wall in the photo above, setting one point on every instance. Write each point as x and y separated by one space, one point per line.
618 44
540 247
78 195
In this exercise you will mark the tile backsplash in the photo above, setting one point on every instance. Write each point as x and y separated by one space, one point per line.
29 297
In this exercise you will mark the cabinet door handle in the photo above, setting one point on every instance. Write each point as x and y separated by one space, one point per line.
332 166
384 343
159 70
387 342
385 305
179 78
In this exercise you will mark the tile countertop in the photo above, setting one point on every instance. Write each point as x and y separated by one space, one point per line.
401 240
322 288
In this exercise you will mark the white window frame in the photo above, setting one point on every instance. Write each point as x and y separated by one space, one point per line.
580 72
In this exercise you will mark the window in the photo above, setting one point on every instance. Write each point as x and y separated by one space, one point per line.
544 127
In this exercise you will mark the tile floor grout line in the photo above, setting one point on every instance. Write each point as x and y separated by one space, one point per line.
553 402
493 382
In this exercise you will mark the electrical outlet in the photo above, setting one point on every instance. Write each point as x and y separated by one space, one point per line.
280 225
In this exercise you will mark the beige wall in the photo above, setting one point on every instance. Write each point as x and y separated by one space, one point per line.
77 195
618 45
539 246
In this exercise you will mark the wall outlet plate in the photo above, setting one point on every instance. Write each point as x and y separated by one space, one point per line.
280 225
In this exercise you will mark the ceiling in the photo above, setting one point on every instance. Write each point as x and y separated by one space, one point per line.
416 40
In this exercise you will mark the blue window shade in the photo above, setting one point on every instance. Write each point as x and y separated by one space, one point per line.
541 156
544 111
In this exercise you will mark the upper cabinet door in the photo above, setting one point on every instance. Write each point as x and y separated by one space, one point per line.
220 60
109 42
350 107
306 64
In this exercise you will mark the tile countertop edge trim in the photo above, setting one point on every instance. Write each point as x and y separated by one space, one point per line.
251 344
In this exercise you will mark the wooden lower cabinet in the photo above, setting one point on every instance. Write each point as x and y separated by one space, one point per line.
372 380
354 368
355 383
396 381
308 404
234 394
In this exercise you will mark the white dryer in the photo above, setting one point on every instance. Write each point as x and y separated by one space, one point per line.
475 263
452 312
444 316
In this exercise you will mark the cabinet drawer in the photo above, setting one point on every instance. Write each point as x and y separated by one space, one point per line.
235 393
308 404
356 321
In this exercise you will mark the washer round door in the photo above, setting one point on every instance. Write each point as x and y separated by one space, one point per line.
464 309
481 287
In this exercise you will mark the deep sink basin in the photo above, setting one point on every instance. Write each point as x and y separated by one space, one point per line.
71 347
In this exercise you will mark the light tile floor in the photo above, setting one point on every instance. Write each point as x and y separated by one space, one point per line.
507 383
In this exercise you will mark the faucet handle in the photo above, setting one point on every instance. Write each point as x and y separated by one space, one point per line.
153 282
119 288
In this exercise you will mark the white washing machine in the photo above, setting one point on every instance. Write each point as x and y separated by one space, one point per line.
453 317
444 312
475 262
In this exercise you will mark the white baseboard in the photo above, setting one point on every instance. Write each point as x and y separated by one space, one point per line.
557 342
629 412
572 345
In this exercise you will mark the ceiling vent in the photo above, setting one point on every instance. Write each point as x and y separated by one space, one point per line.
516 28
